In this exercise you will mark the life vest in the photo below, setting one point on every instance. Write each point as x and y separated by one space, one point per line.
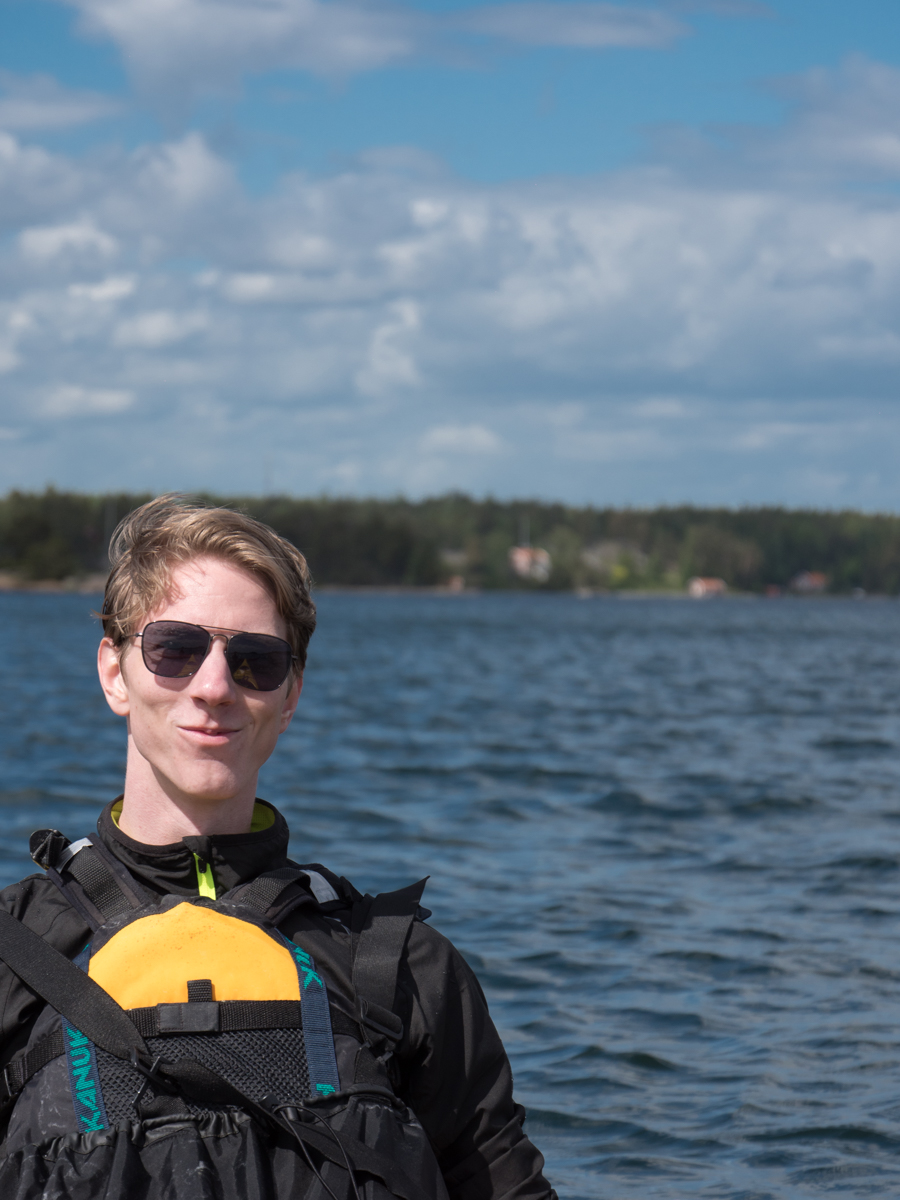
214 1064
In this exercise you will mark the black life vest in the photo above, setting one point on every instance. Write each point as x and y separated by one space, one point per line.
213 1064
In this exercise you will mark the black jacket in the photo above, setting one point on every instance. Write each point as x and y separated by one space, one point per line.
452 1068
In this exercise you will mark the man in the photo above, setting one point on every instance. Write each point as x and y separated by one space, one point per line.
234 1026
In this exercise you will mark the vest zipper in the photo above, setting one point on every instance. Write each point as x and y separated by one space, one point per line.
206 884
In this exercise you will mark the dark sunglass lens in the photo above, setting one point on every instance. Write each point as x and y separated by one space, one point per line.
258 662
173 649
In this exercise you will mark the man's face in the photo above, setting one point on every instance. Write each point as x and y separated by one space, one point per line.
202 738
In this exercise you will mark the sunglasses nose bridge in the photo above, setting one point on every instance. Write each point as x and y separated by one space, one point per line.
214 669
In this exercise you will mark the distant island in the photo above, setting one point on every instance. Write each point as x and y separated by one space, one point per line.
460 543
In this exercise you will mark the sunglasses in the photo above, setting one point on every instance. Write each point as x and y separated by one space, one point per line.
176 650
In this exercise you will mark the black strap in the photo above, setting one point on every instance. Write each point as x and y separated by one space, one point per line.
381 926
17 1073
266 889
98 883
92 879
200 991
72 992
227 1016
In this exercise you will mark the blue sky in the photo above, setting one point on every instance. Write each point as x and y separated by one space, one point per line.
626 253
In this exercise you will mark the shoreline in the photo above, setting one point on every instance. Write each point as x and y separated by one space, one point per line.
86 585
92 585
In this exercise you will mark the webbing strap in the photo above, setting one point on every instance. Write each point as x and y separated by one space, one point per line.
265 889
318 1040
229 1015
20 1070
381 928
72 992
91 878
100 885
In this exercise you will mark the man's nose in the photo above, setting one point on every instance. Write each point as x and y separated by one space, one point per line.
213 682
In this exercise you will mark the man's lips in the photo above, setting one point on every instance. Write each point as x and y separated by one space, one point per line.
208 731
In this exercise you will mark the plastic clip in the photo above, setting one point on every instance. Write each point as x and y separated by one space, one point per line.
380 1020
10 1089
150 1076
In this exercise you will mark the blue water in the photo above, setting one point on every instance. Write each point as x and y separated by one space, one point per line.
666 834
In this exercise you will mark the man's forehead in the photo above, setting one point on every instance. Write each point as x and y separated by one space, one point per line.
216 592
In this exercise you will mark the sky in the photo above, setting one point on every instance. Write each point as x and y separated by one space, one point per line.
629 253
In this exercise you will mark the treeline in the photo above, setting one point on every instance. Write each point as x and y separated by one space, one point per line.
58 535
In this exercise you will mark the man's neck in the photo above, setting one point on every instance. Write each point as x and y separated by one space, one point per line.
161 824
157 815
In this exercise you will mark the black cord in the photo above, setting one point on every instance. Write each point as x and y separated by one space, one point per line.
340 1145
287 1124
335 1138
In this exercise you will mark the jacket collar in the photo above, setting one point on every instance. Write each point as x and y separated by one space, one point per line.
234 857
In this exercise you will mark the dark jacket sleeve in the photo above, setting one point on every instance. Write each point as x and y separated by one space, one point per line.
37 903
457 1078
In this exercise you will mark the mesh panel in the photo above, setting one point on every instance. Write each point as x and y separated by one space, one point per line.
259 1062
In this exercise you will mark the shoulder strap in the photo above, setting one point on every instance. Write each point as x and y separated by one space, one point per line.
71 991
276 893
379 931
92 879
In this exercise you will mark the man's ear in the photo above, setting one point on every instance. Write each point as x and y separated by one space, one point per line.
290 703
112 680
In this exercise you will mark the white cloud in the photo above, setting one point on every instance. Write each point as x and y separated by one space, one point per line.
115 287
848 118
35 184
69 400
593 26
426 212
460 439
179 49
182 47
40 102
666 407
183 175
613 445
246 287
159 328
80 237
389 364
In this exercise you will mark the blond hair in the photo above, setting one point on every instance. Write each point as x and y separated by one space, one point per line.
172 530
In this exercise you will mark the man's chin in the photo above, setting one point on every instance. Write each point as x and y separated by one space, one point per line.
216 789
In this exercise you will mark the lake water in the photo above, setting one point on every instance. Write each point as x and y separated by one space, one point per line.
666 834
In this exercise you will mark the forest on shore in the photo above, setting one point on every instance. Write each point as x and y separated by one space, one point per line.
459 541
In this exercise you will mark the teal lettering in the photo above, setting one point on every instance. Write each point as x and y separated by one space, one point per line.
324 1089
309 975
84 1082
82 1075
302 956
